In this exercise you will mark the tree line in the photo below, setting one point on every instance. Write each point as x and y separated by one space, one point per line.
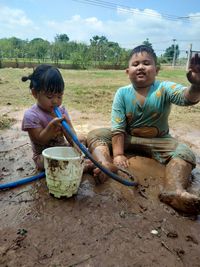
99 53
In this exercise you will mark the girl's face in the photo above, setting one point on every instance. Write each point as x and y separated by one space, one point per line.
47 101
142 70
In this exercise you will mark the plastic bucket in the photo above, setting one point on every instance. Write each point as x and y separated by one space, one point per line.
63 169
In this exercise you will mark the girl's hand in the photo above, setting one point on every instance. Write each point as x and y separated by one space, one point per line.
66 134
193 74
121 161
55 127
66 118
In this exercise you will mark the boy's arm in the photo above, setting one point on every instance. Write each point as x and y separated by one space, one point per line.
118 130
118 145
192 93
119 158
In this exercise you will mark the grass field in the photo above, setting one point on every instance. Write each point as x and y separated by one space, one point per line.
85 90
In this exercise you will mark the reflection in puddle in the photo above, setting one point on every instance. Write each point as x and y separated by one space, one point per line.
86 189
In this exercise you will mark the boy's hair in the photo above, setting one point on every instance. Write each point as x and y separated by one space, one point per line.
144 48
45 78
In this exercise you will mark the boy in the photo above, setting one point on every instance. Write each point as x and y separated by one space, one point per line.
140 114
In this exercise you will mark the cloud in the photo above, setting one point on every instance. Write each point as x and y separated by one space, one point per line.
135 25
77 28
13 17
130 27
14 22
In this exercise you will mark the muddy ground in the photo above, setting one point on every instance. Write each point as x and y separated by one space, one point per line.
107 225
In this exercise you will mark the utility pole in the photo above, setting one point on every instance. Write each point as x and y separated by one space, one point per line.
174 56
189 55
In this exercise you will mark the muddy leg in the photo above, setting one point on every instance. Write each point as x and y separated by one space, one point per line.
39 163
88 166
82 139
176 181
101 154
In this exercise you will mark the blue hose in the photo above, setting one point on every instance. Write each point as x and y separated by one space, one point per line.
88 155
22 181
83 149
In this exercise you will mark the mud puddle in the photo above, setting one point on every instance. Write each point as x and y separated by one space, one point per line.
105 225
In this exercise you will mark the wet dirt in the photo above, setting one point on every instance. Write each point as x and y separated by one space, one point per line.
106 225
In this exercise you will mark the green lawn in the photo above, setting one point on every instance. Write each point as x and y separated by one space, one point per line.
93 89
85 90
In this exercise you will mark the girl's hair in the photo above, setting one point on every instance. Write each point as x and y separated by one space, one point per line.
144 48
45 78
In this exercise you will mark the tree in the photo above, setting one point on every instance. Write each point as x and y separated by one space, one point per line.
147 43
13 47
98 46
80 56
171 51
6 48
113 53
38 48
62 38
55 52
103 51
60 48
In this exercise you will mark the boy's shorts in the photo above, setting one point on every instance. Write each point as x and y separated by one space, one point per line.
161 149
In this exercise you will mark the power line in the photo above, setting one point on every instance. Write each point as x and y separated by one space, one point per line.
164 41
125 9
128 9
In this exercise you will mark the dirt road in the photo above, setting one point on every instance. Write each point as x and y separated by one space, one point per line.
102 226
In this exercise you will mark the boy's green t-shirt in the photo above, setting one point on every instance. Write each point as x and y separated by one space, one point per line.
151 119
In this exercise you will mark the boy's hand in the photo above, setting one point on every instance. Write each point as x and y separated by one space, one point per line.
121 161
193 74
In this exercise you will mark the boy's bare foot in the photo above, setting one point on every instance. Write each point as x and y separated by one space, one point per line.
99 176
88 166
182 201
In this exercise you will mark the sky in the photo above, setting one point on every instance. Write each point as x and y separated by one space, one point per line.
127 22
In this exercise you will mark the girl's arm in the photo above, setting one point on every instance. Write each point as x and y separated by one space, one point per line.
69 139
44 135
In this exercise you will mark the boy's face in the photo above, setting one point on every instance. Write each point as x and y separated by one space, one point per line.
142 70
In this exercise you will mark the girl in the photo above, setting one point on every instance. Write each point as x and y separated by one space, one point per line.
44 128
